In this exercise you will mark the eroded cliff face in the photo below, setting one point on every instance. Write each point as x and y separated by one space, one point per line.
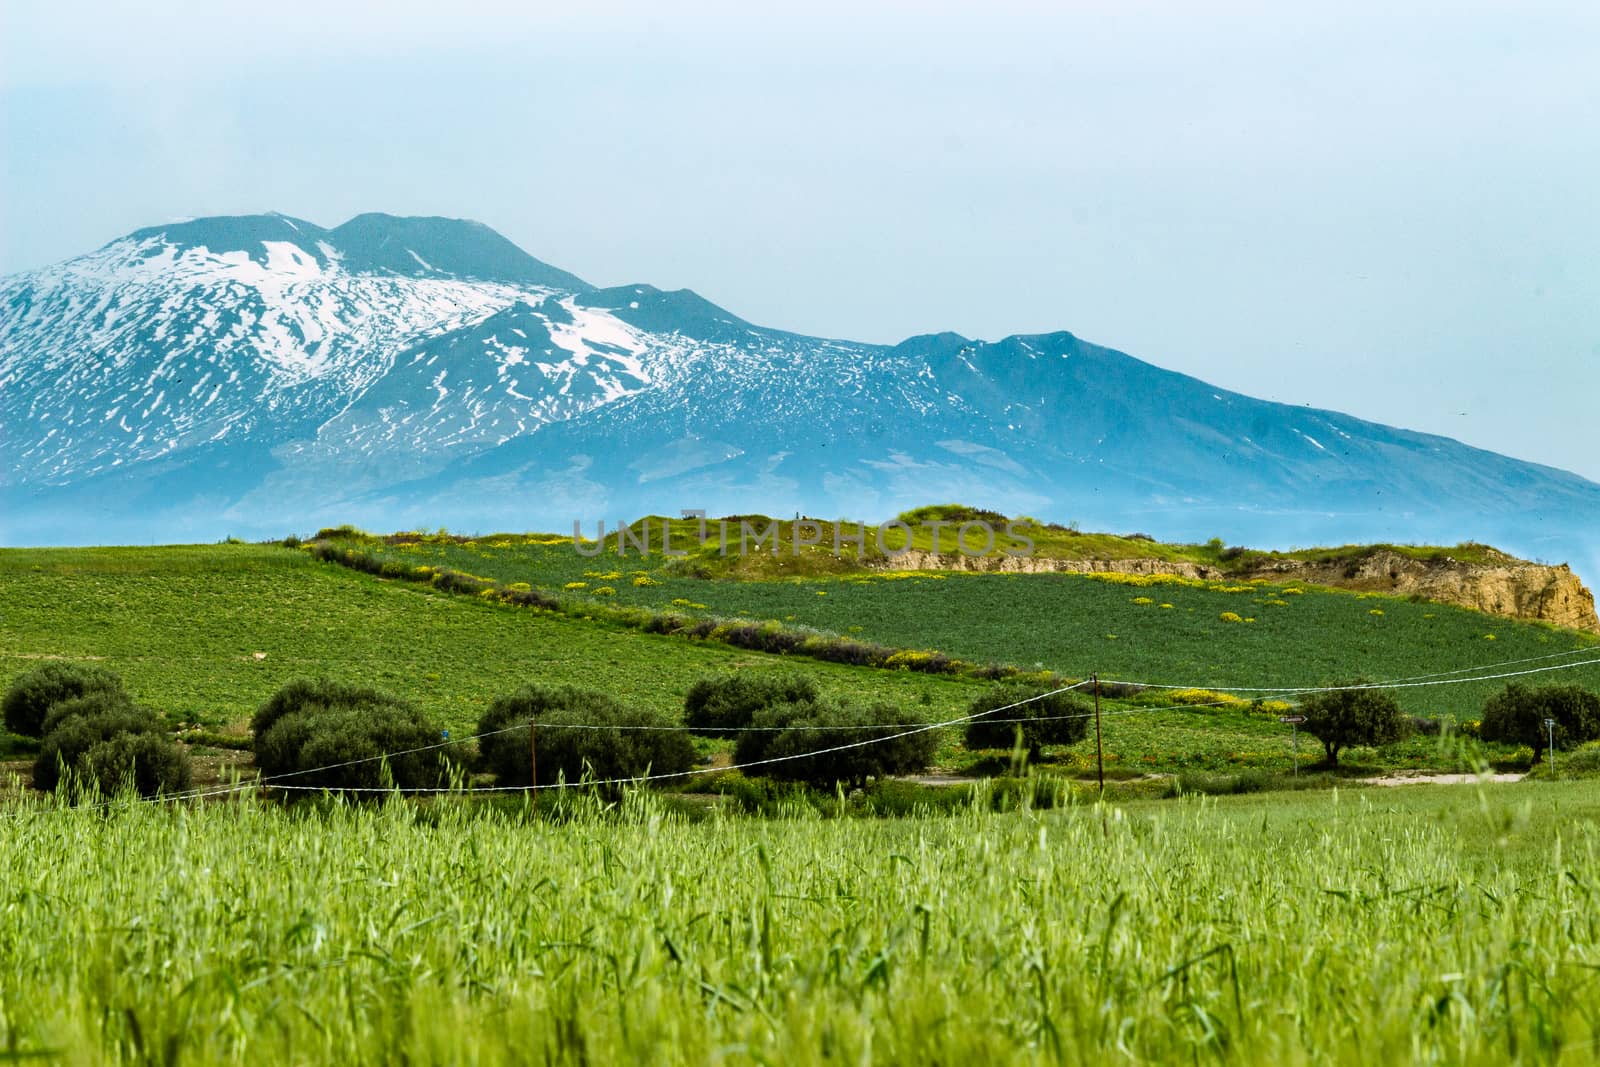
1502 586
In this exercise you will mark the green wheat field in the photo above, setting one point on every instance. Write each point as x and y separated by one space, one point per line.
1431 925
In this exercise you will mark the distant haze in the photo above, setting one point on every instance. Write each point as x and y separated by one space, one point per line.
1387 213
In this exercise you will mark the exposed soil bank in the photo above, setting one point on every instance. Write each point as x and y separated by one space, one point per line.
1502 586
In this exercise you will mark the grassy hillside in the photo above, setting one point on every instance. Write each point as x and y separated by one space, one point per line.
1146 629
184 624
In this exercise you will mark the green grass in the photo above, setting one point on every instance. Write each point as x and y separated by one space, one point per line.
1429 925
1074 624
183 625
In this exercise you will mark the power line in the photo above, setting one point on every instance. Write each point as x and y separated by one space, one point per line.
1303 690
719 770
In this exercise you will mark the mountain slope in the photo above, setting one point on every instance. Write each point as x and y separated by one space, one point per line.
262 373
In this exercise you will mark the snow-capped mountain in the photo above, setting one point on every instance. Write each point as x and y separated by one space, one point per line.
260 375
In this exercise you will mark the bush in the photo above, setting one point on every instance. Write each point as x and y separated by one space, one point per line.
103 741
28 701
762 796
345 532
579 734
105 702
333 736
893 799
1424 727
720 707
1585 760
1352 716
1058 719
301 694
871 742
1517 713
151 764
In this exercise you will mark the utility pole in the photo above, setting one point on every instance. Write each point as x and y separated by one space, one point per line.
1294 722
1550 727
1099 744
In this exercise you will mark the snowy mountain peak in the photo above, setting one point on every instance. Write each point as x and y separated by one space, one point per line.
681 311
441 247
373 243
255 373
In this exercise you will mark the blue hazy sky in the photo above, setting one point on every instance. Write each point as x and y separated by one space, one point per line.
1389 212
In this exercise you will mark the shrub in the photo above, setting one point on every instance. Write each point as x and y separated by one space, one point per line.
1517 713
301 694
90 705
28 701
950 513
333 736
105 742
579 733
149 763
1424 727
345 532
1058 719
760 796
896 799
720 707
1344 717
871 742
1584 760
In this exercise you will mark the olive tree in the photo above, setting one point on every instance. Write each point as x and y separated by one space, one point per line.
1352 715
1037 717
1517 714
823 743
579 734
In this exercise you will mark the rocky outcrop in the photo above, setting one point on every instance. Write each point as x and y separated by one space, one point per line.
1502 585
